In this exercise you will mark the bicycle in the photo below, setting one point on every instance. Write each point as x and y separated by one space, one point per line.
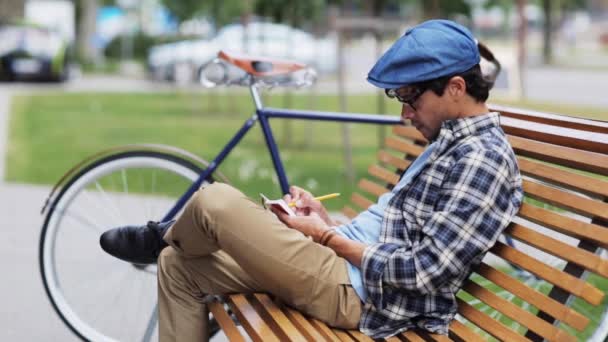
69 257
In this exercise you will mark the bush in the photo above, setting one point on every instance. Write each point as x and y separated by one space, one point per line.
141 44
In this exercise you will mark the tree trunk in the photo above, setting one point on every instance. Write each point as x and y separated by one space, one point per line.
547 32
521 46
12 9
86 31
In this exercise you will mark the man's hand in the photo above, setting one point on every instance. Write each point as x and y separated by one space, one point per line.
306 204
311 225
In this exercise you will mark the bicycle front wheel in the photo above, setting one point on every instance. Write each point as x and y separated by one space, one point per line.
100 297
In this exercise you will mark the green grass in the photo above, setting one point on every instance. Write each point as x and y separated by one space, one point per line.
50 133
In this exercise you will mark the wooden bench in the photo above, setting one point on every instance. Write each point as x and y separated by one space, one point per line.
518 293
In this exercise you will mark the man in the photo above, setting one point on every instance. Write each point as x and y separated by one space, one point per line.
397 265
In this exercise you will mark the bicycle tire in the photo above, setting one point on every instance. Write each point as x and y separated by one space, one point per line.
86 258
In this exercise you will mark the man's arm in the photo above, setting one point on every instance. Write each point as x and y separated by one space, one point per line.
473 207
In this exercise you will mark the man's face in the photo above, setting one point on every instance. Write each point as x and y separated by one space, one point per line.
423 108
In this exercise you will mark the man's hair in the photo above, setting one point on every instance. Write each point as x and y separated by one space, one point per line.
478 85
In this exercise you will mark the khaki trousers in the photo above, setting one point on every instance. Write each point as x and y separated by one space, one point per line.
225 243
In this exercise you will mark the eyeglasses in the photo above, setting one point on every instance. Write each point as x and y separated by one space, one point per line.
409 99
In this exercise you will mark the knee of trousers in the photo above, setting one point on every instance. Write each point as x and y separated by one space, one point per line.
216 199
172 271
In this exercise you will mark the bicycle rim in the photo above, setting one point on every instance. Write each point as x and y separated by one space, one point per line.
100 297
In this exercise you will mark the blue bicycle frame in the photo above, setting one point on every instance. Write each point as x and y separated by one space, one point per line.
263 115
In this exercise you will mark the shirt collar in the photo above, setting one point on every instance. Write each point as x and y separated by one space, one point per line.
471 125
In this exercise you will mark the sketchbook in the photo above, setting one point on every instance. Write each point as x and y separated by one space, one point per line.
277 204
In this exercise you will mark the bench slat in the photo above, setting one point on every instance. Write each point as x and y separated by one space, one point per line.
564 224
225 322
571 157
383 174
567 179
412 336
398 162
561 279
403 146
372 188
305 327
560 198
486 323
277 320
349 212
342 335
587 141
463 332
409 132
359 336
534 297
253 323
562 250
327 333
552 119
517 314
360 201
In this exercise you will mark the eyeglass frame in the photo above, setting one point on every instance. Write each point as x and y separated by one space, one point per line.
393 94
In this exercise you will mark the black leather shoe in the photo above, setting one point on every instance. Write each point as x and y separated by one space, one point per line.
136 244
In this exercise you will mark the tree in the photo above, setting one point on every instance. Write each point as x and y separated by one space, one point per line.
12 9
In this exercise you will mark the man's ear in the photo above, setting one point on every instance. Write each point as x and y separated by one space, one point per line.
457 87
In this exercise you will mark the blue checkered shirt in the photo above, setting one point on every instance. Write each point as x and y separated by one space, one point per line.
438 227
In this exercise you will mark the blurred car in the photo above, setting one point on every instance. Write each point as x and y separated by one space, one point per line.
32 52
183 61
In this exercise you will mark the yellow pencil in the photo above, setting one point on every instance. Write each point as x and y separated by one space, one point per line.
320 198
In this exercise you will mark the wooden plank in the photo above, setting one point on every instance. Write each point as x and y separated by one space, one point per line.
584 141
412 336
253 323
534 297
563 280
359 336
225 322
562 250
409 132
517 314
564 178
324 330
277 320
342 335
486 323
577 123
403 146
571 157
383 174
349 212
560 198
565 225
372 188
463 332
360 201
306 328
398 162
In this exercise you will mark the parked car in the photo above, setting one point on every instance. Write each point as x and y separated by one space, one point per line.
183 61
32 52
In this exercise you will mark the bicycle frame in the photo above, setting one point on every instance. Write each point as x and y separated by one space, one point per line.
263 115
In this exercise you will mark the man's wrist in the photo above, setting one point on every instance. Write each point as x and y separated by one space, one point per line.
327 233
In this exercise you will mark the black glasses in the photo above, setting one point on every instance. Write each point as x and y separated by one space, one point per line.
409 99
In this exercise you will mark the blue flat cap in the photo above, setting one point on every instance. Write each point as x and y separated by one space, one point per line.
432 49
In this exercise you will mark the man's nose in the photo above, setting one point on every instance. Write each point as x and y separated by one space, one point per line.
406 111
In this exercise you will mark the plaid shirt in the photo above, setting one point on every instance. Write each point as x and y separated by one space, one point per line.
438 227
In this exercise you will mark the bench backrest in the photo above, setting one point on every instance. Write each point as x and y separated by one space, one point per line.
548 286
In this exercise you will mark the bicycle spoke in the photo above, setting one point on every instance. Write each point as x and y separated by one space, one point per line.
109 201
